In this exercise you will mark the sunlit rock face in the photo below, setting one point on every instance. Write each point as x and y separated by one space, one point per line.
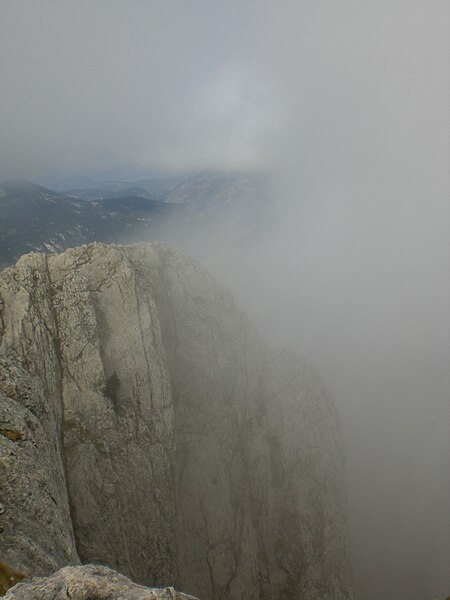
183 451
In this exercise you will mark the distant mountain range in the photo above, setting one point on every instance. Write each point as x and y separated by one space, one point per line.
199 212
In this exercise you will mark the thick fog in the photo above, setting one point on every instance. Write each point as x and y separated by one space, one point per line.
345 107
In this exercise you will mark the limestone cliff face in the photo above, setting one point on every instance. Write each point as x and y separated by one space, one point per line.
178 449
36 534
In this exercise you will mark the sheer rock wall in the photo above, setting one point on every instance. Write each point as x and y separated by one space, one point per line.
191 454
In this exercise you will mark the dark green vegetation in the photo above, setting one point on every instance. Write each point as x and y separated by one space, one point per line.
200 213
35 218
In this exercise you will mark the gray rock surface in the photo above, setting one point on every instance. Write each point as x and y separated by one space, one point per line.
36 534
90 582
191 454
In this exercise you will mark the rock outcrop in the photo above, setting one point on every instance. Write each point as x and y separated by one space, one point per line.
89 583
156 434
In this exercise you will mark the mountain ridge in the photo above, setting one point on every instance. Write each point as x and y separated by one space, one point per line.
201 212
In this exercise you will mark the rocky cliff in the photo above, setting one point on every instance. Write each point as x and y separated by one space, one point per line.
89 582
144 425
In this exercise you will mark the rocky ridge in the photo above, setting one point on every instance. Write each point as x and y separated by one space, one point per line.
146 426
89 583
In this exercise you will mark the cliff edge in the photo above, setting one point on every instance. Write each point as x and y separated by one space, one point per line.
144 425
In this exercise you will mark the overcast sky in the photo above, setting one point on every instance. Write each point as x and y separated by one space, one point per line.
152 83
188 84
346 105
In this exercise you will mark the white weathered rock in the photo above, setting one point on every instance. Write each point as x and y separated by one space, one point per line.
192 454
89 582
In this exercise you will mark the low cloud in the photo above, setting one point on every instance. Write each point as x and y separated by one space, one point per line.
345 106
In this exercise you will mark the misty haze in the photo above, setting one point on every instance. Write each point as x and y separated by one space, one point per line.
224 300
